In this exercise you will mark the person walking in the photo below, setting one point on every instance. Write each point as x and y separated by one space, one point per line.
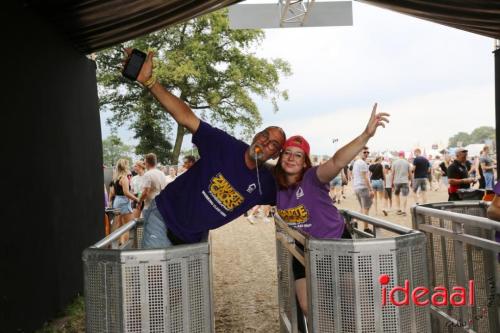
377 181
362 186
421 171
401 177
387 189
488 166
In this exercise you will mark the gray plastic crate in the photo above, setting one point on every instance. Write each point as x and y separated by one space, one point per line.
344 292
160 290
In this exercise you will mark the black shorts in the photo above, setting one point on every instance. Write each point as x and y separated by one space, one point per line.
299 271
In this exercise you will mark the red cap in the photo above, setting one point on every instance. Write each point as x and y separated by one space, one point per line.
402 153
299 142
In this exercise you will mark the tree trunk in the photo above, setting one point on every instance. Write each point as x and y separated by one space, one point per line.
181 130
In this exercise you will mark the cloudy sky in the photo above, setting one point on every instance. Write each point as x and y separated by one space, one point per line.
433 80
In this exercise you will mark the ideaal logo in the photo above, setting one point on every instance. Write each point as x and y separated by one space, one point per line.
440 297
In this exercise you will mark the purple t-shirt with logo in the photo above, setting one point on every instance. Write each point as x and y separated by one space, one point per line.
307 206
218 188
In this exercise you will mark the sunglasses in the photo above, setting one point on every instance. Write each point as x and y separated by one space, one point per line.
366 152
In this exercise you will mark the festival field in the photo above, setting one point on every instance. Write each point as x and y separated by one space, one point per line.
245 284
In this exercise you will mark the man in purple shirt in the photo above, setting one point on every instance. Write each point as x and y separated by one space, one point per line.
227 180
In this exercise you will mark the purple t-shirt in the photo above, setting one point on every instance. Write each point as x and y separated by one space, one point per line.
218 188
307 206
496 189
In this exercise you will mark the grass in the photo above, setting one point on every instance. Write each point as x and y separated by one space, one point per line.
72 320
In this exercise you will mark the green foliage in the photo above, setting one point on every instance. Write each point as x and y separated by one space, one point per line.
478 135
113 149
72 320
152 138
483 133
206 64
462 137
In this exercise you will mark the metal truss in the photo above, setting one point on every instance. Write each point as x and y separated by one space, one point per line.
294 12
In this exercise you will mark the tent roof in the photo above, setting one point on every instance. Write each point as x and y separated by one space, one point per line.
96 24
477 16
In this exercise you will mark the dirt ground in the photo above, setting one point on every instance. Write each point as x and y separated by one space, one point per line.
244 264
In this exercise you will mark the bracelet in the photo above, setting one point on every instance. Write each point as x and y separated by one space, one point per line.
150 82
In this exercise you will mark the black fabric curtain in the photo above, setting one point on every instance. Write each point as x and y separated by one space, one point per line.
478 16
97 24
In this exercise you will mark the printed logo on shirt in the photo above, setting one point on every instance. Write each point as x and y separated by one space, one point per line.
251 188
224 193
297 214
299 193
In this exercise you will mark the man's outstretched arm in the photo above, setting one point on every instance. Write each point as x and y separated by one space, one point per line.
179 110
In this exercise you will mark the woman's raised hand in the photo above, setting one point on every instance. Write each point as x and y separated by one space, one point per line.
376 120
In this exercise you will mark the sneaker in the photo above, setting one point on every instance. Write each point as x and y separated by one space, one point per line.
251 219
399 212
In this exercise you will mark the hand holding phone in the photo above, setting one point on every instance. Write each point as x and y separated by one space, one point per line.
134 64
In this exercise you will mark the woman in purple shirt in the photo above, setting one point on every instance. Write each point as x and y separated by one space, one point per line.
303 201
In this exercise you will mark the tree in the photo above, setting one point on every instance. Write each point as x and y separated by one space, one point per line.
152 138
205 63
478 135
113 149
462 137
483 133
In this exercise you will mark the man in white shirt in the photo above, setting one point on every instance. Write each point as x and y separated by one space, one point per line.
153 181
361 184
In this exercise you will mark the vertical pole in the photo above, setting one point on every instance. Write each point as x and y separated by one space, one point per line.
496 53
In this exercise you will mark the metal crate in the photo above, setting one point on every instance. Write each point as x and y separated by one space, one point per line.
461 247
344 292
161 290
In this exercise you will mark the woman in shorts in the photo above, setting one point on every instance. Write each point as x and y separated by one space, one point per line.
377 181
123 195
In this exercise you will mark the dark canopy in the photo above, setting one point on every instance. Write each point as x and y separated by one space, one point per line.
96 24
478 16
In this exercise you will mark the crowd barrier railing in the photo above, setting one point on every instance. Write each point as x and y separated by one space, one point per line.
343 287
129 289
461 247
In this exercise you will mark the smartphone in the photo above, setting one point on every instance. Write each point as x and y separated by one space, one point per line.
134 64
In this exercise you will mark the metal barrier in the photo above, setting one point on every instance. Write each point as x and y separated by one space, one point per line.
343 288
460 248
128 289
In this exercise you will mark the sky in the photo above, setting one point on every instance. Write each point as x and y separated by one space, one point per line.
434 81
